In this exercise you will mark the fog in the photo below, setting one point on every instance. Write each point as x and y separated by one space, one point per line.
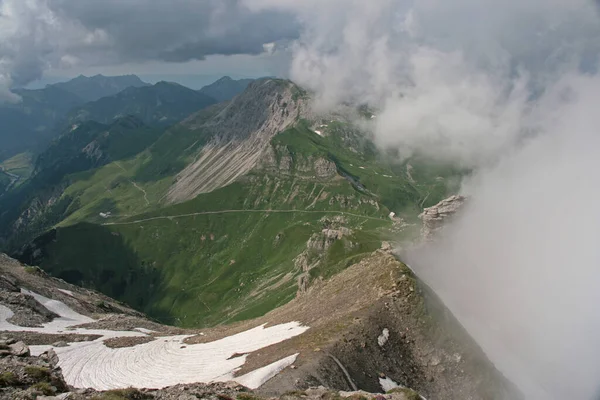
520 267
509 89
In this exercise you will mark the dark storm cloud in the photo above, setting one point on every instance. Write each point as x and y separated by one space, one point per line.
37 35
177 30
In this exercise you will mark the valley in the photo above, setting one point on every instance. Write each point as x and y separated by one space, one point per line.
209 212
247 241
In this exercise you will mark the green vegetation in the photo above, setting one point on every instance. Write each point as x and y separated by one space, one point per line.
162 104
20 165
409 394
45 388
37 373
8 378
230 255
234 253
248 396
235 265
122 394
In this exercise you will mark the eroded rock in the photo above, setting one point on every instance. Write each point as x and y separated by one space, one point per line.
435 217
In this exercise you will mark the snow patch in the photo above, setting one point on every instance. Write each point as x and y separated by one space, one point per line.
67 292
257 378
387 384
384 337
163 362
169 361
319 133
144 330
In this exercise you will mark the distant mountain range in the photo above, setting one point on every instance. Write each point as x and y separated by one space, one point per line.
161 104
98 86
226 88
42 114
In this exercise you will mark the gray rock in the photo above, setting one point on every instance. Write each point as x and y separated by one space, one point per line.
60 344
435 217
19 349
50 356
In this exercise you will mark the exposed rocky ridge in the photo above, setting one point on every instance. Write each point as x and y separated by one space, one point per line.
279 160
372 321
434 218
426 349
14 275
241 133
333 231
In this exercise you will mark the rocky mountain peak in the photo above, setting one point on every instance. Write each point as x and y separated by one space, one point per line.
435 217
240 135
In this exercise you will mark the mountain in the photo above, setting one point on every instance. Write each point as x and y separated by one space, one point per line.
260 197
225 88
373 327
31 124
28 124
251 238
161 104
98 86
78 149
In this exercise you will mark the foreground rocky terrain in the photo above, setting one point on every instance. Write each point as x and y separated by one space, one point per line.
372 327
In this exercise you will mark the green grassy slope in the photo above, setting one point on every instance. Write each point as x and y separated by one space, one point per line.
20 164
214 265
230 254
314 205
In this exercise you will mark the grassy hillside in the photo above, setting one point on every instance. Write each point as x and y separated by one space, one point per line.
317 199
20 165
220 257
233 254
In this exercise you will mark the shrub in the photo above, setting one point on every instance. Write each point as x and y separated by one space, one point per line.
408 393
122 394
45 388
8 379
247 396
37 373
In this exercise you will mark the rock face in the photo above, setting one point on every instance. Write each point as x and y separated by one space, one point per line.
435 217
240 135
27 311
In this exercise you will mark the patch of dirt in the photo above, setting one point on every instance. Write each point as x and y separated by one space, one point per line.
120 342
35 339
118 322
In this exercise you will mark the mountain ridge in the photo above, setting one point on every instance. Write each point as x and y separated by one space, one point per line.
226 88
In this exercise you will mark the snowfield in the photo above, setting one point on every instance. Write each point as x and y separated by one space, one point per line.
163 362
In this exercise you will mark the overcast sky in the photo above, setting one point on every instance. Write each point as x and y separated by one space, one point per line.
64 38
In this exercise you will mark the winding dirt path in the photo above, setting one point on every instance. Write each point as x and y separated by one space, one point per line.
242 211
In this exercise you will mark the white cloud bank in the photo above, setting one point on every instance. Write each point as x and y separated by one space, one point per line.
511 89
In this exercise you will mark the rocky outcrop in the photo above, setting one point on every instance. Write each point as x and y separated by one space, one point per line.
30 313
27 311
435 217
317 246
240 135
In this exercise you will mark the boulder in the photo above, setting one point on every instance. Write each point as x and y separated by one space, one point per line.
19 349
